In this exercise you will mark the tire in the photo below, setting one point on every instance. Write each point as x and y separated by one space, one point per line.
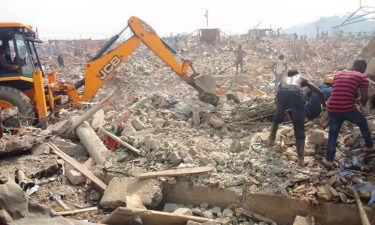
19 99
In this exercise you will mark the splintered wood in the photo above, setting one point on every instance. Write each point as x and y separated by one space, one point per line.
176 172
78 166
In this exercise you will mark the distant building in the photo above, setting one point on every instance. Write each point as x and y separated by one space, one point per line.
209 35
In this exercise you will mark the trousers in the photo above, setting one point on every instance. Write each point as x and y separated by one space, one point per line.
336 119
291 98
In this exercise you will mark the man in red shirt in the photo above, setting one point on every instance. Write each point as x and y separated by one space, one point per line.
342 105
239 54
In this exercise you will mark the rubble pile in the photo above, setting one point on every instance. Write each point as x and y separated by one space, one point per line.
93 165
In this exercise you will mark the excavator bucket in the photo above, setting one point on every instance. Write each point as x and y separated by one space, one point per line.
206 85
206 82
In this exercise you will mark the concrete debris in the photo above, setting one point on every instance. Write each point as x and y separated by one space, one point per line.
215 121
183 211
149 190
98 120
171 130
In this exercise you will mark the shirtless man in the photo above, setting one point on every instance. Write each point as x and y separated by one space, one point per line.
289 96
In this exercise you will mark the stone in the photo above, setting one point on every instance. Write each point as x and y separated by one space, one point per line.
192 151
301 220
70 148
138 124
183 211
73 175
220 158
216 211
171 207
318 137
227 212
207 214
234 97
151 143
189 222
40 149
149 190
215 121
14 201
94 195
196 118
98 120
175 157
235 146
158 122
128 129
324 192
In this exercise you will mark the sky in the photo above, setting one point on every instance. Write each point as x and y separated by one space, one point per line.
71 19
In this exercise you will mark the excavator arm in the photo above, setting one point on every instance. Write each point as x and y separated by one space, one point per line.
102 66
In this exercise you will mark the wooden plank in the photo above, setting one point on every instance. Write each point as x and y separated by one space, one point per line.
89 113
175 172
123 215
361 209
77 211
114 137
78 166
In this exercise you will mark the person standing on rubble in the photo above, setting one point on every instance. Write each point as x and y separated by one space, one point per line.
313 107
289 96
60 60
341 106
239 54
278 68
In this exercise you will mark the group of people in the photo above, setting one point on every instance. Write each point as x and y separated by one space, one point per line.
337 95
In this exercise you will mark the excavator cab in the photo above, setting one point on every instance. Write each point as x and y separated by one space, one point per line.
18 61
18 56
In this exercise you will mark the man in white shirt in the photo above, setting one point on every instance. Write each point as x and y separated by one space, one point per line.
278 68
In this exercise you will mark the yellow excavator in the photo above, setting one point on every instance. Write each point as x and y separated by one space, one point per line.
21 73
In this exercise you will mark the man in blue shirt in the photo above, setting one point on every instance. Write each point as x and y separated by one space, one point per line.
313 107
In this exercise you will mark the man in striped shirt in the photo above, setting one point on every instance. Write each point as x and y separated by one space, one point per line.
342 105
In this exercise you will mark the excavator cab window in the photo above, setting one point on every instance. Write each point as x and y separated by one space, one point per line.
16 58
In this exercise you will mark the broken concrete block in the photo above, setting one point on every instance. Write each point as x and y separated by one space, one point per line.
98 120
138 124
318 137
219 157
13 144
215 121
170 207
235 146
14 201
151 143
128 129
40 149
183 211
73 175
70 148
175 157
149 190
